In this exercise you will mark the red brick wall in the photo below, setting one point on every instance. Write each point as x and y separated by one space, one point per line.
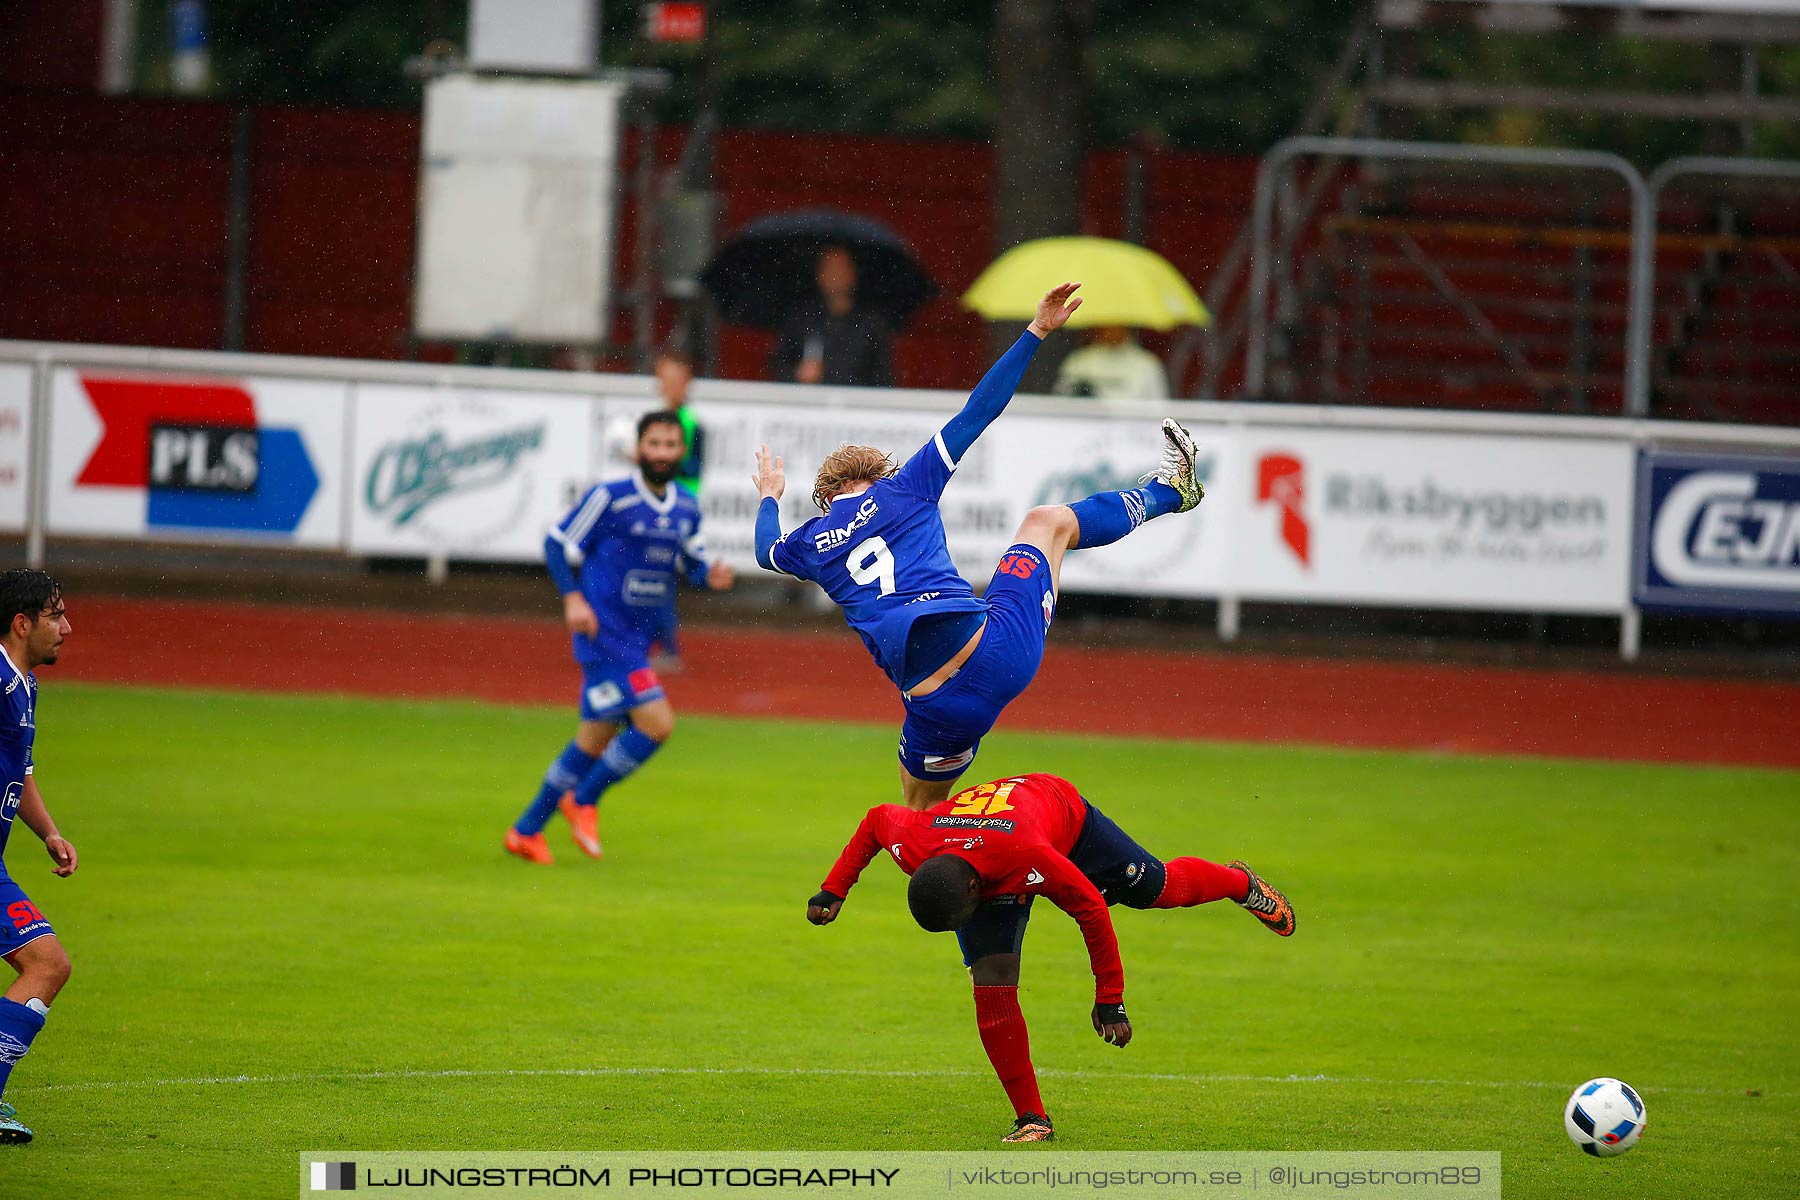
113 223
51 43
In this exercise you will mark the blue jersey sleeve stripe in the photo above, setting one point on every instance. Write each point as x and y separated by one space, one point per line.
943 450
576 527
596 495
590 517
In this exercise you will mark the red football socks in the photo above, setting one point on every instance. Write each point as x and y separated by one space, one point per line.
1008 1046
1194 881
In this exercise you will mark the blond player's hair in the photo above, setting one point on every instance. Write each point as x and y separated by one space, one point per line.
846 467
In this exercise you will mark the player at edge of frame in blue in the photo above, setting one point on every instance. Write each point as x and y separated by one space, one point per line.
631 540
879 551
35 628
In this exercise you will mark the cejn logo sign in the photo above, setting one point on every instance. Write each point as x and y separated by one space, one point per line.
1717 532
1281 480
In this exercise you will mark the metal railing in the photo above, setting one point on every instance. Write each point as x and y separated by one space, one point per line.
1272 174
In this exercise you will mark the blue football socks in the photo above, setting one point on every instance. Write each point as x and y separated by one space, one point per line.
18 1025
624 754
1105 517
564 775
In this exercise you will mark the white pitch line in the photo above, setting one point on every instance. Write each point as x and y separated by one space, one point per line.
860 1073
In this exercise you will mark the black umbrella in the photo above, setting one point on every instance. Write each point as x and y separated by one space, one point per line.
770 267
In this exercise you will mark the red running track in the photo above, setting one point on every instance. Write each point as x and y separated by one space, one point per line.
1407 705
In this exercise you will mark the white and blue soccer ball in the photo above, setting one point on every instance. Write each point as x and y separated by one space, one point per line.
1604 1117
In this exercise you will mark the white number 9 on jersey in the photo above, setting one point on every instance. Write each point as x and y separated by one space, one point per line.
872 561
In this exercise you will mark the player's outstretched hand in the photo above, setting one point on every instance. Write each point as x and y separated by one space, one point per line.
62 853
579 616
720 576
1111 1023
1055 309
771 474
822 909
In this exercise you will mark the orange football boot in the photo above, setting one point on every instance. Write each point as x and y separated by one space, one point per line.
531 849
1266 903
584 823
1030 1127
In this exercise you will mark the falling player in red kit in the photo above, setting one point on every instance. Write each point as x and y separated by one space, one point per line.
978 859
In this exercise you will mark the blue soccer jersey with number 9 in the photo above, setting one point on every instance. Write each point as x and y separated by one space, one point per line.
881 556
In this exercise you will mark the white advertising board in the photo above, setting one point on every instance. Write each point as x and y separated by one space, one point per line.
1020 462
471 475
15 444
107 479
516 210
1435 520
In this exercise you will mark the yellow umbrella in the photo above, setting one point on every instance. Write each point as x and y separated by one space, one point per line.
1121 284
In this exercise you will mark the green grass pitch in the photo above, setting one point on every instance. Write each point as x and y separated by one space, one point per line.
294 929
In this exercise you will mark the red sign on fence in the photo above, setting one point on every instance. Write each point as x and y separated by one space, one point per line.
675 22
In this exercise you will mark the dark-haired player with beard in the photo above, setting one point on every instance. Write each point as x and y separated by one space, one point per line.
979 858
36 625
617 558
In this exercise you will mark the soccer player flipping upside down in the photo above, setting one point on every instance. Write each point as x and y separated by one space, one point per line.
878 550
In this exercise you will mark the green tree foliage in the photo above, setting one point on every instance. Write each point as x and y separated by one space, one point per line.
322 52
1204 74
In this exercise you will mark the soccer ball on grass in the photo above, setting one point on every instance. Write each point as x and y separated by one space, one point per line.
1604 1117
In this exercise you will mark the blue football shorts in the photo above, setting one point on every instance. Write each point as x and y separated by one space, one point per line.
1123 871
610 690
944 729
20 920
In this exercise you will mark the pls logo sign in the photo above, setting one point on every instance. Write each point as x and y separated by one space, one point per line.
200 452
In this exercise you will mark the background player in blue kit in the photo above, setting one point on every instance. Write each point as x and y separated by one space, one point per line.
879 552
35 628
632 540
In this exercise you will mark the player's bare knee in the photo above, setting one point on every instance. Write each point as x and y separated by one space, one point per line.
45 969
1049 524
57 970
658 727
995 970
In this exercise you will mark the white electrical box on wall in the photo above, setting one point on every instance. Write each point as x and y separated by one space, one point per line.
516 214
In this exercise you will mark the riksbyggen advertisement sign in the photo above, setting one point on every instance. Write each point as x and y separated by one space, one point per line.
469 475
1718 532
1489 522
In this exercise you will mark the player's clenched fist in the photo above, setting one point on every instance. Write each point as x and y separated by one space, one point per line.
822 909
1111 1023
720 576
62 853
579 616
771 474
